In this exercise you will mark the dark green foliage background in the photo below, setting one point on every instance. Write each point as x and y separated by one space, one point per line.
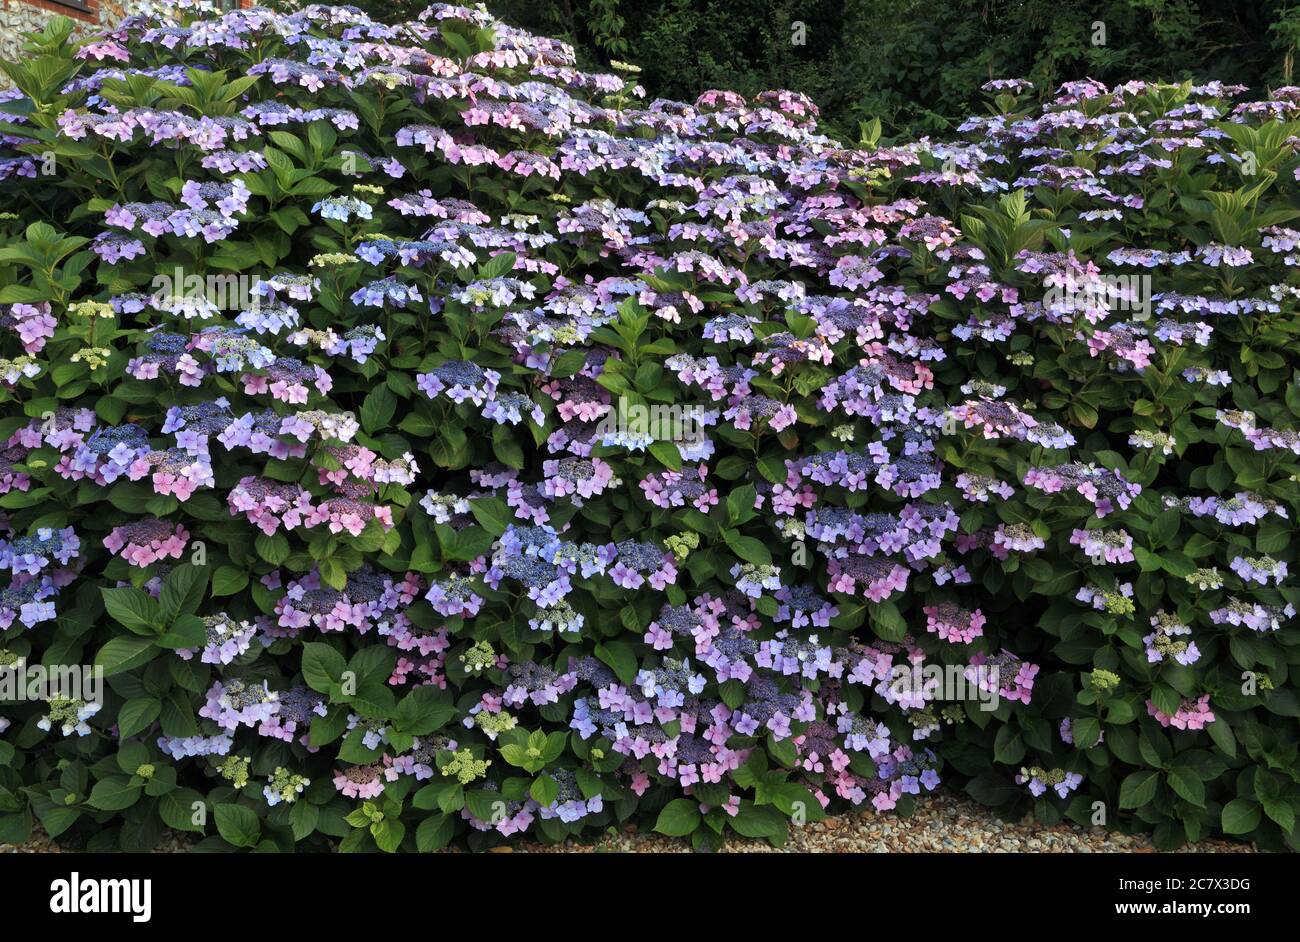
915 64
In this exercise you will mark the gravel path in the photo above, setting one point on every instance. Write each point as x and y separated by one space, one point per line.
945 823
173 842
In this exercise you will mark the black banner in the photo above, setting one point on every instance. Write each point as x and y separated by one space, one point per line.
1222 891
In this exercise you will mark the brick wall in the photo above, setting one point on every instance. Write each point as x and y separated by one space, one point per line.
87 10
23 16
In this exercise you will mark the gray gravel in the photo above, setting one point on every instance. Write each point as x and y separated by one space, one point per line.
173 842
943 823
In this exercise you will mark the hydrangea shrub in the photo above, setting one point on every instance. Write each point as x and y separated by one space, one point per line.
435 443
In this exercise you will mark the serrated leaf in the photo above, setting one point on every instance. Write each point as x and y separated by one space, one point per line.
238 825
678 818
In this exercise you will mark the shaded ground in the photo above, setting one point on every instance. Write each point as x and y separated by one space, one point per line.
944 823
